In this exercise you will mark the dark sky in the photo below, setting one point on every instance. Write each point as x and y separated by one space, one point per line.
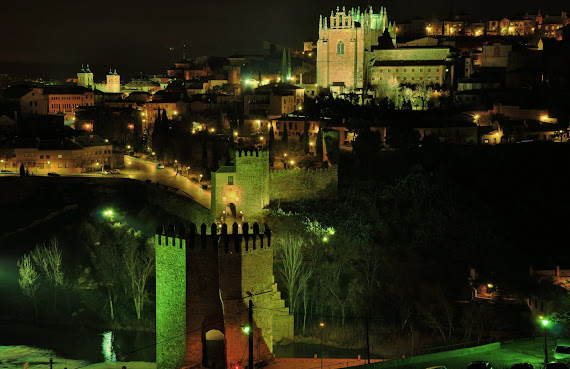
137 35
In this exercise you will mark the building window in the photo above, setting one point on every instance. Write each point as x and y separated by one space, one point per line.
340 48
230 180
41 156
59 165
48 156
60 156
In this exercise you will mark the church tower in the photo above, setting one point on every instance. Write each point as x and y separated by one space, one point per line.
85 78
345 42
113 82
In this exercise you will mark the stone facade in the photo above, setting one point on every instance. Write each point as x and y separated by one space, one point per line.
295 185
342 49
417 65
242 188
208 277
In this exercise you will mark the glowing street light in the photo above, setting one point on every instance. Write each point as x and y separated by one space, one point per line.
108 213
246 329
322 326
545 322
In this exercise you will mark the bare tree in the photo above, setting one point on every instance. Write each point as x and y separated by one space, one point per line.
303 286
290 252
28 279
49 260
139 265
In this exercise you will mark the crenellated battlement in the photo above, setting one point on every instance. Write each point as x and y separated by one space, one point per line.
274 172
238 239
252 153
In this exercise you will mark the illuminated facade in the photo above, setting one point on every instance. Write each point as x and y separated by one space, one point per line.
85 78
113 82
412 66
345 39
78 155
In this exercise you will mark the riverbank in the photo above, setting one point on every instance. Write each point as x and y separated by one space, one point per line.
14 357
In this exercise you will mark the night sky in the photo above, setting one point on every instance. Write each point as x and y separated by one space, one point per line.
137 35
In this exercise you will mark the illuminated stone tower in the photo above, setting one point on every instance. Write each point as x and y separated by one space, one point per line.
204 280
242 189
85 78
343 49
113 82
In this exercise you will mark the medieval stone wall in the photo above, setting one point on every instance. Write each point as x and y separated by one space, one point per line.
181 206
170 302
224 270
295 185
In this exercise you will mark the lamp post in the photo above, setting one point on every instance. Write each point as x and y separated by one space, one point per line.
545 323
129 163
322 325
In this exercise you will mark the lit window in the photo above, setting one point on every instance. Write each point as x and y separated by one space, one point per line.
60 156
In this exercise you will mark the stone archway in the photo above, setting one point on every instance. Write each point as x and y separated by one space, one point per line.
214 350
231 210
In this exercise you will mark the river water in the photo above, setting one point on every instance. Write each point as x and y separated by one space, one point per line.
88 344
81 343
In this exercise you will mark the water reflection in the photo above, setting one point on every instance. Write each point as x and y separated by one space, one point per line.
81 343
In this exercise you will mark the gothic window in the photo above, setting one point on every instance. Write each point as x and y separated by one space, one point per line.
340 21
230 180
340 48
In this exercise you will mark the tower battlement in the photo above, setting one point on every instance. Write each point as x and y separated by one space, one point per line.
235 241
252 153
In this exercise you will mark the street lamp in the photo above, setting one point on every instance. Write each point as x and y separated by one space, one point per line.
322 325
545 322
129 167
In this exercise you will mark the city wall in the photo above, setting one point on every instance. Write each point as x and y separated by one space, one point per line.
173 203
223 269
295 185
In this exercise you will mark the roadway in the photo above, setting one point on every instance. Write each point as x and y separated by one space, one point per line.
142 170
519 351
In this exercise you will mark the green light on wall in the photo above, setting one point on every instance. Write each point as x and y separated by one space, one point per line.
246 329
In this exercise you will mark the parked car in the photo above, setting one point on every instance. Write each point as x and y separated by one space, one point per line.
556 366
562 349
3 171
53 174
115 171
522 366
479 365
159 166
